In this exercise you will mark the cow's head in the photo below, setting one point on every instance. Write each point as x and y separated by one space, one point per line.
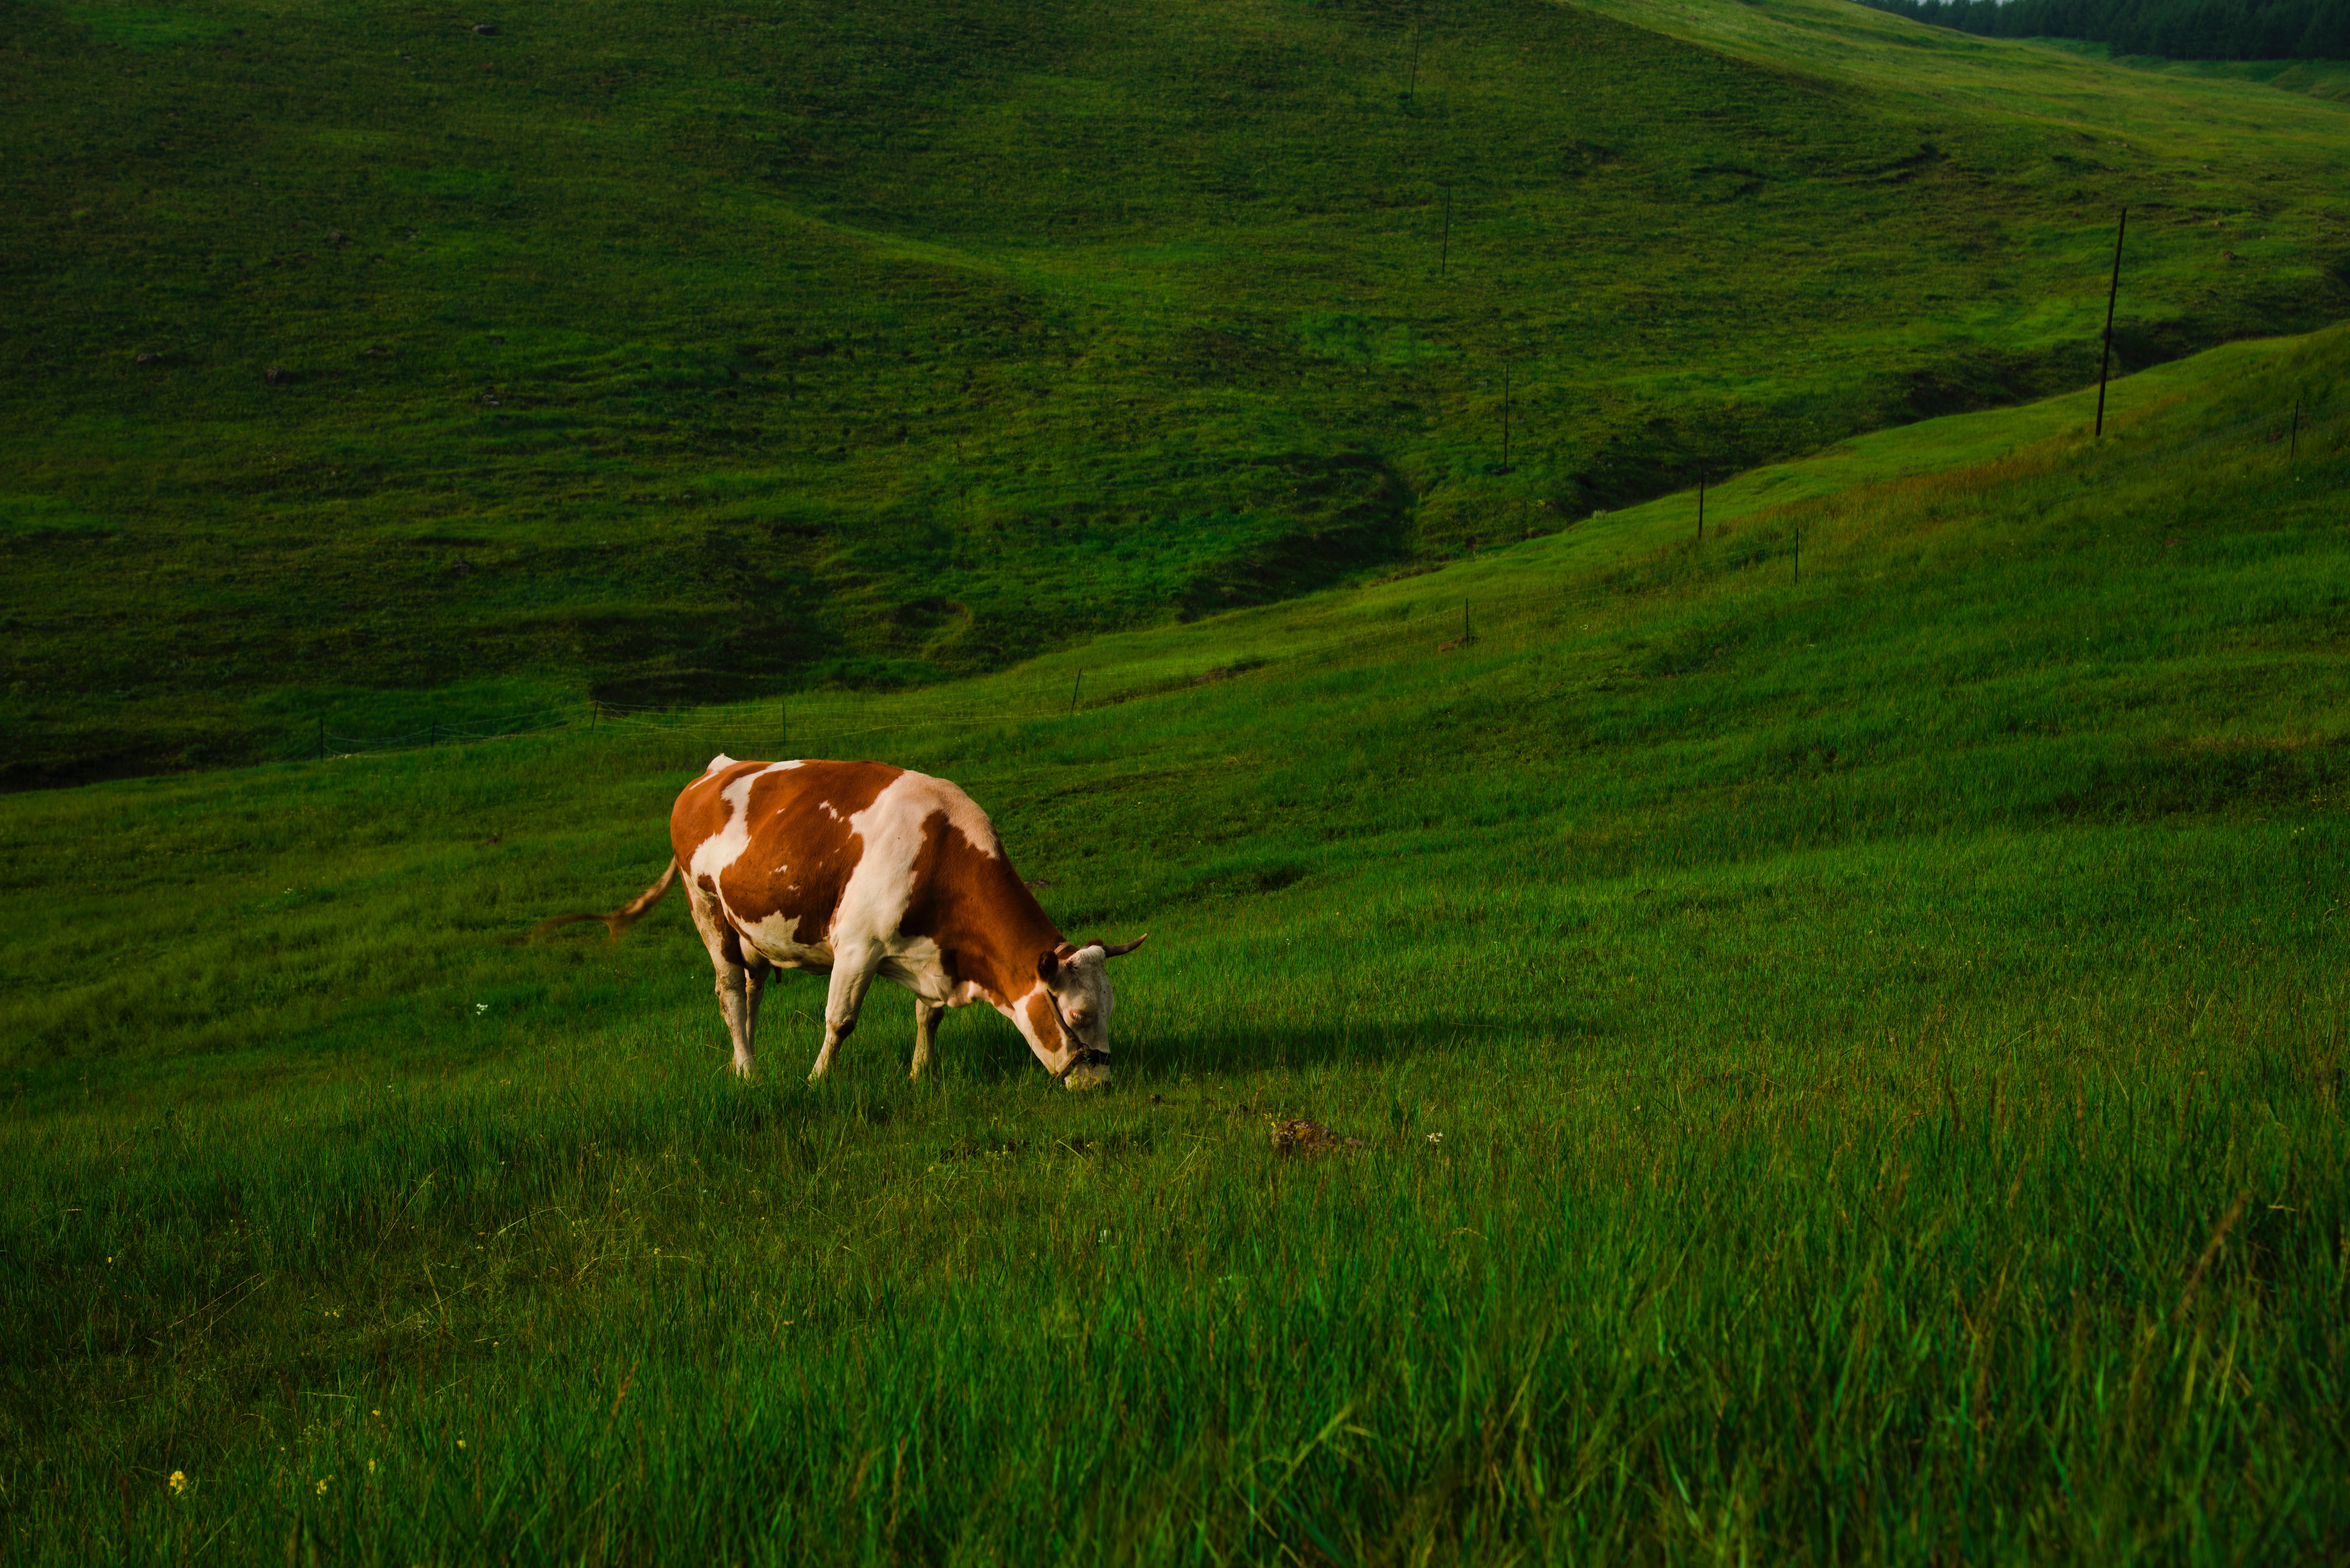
1077 988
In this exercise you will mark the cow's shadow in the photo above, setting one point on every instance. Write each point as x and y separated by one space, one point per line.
979 1047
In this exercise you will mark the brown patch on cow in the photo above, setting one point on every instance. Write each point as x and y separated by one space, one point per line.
987 924
1045 1019
801 852
702 811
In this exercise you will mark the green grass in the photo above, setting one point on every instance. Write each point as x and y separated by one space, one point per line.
2319 79
862 346
1884 1033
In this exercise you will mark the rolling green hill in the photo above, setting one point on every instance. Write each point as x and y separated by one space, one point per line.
657 353
1843 1017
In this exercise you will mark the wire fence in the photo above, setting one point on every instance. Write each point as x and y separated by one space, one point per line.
1484 613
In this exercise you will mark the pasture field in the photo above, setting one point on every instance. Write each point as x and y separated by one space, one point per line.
655 352
1850 1069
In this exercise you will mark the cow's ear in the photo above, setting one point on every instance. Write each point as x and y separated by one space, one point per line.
1048 965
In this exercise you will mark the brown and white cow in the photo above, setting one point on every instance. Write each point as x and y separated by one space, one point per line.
859 870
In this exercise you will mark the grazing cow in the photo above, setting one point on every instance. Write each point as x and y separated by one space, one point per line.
860 869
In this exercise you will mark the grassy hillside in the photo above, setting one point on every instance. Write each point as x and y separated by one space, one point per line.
657 352
1851 1069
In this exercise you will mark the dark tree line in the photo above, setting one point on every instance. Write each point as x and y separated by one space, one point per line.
2176 29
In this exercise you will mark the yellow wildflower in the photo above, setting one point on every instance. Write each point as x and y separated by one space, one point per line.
178 1481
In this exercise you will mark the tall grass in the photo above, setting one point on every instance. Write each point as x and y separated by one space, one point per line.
1847 1072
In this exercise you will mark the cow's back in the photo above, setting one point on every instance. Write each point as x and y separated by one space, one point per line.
801 855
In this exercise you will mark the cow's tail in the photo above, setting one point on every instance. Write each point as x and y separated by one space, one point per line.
617 920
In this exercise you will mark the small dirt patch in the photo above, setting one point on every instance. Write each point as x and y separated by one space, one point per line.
1300 1136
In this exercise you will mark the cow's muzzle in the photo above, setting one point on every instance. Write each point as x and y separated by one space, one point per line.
1094 1063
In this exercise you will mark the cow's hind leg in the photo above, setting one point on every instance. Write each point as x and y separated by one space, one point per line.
737 999
757 972
852 976
926 1034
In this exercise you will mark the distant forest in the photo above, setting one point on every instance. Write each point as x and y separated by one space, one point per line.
2176 29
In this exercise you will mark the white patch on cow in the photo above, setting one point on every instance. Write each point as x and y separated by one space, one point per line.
873 902
715 854
720 761
777 939
963 812
1083 995
918 965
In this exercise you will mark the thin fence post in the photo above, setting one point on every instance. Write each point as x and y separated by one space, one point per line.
784 717
1701 507
322 738
433 736
1080 686
2112 291
1444 256
2292 451
1506 416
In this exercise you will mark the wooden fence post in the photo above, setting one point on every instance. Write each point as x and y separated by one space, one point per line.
1505 417
2112 291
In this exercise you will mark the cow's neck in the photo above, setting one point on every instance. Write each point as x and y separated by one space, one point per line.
1008 932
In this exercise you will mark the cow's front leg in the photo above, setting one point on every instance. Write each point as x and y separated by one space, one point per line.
926 1034
852 976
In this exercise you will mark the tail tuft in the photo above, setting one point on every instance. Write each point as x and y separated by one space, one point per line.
615 921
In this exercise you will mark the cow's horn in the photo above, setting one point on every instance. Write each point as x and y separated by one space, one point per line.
1119 950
